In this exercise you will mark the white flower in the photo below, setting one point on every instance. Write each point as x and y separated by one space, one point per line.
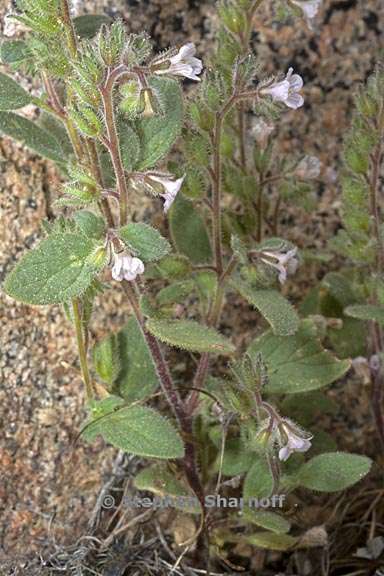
309 8
126 267
287 90
183 63
295 439
308 168
261 130
170 186
285 262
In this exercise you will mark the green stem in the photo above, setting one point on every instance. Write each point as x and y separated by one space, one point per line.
69 28
89 387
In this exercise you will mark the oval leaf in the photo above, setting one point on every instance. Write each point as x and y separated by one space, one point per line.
158 133
88 25
271 541
189 232
31 135
12 95
366 312
190 335
258 482
138 430
268 520
333 471
54 272
297 363
146 242
278 312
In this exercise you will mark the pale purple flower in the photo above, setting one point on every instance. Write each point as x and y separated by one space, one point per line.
287 90
126 267
184 63
285 263
295 439
170 187
309 8
308 168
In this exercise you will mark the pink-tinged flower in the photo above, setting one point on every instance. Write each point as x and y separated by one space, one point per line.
126 267
184 63
285 263
293 438
309 8
170 187
308 168
287 90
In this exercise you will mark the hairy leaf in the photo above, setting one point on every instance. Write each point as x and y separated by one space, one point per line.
14 52
189 335
189 232
138 430
137 377
88 25
106 359
366 312
271 541
57 270
12 95
31 136
158 133
297 363
333 471
146 242
278 312
258 482
268 520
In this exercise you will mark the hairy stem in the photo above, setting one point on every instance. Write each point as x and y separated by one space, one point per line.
69 28
376 330
89 387
113 144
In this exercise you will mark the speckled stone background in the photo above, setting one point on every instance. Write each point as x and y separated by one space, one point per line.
48 484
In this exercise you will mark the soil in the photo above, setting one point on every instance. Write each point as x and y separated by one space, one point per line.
50 480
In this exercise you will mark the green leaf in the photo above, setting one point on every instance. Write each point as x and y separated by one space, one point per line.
88 25
90 224
271 541
258 482
31 135
189 232
146 242
138 430
366 312
57 270
55 127
106 359
333 471
189 335
129 145
160 480
137 377
12 95
278 312
268 520
297 363
237 459
158 133
176 292
14 52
